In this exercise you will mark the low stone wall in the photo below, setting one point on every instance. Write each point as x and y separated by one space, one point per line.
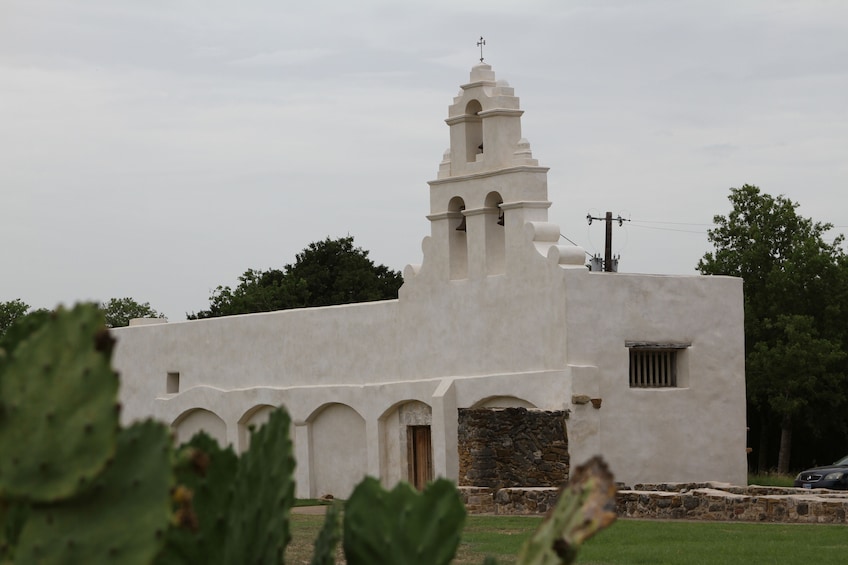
725 502
478 500
701 501
525 500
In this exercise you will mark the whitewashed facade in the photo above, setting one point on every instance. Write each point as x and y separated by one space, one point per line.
495 315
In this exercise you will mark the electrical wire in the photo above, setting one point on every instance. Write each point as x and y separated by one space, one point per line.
575 245
700 232
672 223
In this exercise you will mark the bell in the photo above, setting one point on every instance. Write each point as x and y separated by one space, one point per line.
461 226
501 218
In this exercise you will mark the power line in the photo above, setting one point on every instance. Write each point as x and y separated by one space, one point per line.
668 229
673 223
575 245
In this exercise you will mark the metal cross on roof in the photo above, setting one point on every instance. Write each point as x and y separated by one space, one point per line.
480 44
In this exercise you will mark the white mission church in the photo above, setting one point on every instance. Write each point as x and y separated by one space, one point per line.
498 314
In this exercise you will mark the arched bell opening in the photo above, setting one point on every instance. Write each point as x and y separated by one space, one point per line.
457 239
495 234
473 131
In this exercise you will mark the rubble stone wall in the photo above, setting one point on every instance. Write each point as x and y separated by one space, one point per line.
510 447
704 501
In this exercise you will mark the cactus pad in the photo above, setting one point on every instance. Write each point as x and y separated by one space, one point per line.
263 492
403 526
121 518
58 416
585 506
198 530
328 537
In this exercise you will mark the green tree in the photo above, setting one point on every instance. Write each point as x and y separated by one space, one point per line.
795 289
797 374
327 272
10 311
119 311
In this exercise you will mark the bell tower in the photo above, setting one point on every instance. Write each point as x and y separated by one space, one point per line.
488 185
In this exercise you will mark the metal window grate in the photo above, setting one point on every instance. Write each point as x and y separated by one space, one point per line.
653 368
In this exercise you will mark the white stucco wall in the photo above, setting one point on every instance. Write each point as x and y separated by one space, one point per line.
696 432
492 312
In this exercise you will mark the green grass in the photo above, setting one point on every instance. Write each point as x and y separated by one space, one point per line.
498 536
635 542
713 543
311 502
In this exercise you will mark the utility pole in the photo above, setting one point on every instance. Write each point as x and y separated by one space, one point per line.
608 237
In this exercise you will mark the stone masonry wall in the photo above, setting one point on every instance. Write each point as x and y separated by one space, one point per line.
704 501
724 502
512 447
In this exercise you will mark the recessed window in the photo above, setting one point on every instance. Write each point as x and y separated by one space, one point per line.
172 385
654 365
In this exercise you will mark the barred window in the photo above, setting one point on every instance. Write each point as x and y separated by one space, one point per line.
654 365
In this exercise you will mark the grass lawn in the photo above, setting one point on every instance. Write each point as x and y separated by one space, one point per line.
311 502
633 542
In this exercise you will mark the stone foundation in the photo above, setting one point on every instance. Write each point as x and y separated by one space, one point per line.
525 500
690 501
708 501
478 500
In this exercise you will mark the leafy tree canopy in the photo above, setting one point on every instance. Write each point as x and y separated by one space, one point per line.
796 300
119 311
327 272
10 311
783 258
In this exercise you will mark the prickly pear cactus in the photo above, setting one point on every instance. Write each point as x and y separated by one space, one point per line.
120 518
19 331
13 515
204 473
328 537
263 492
58 412
403 526
586 505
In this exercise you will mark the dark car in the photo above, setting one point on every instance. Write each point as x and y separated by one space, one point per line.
830 476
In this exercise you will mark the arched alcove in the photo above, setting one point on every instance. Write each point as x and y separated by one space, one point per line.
407 445
337 450
495 234
473 131
457 239
254 418
192 421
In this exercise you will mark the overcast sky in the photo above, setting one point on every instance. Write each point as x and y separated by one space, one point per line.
157 149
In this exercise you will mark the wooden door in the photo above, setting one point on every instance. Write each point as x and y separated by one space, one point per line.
419 456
